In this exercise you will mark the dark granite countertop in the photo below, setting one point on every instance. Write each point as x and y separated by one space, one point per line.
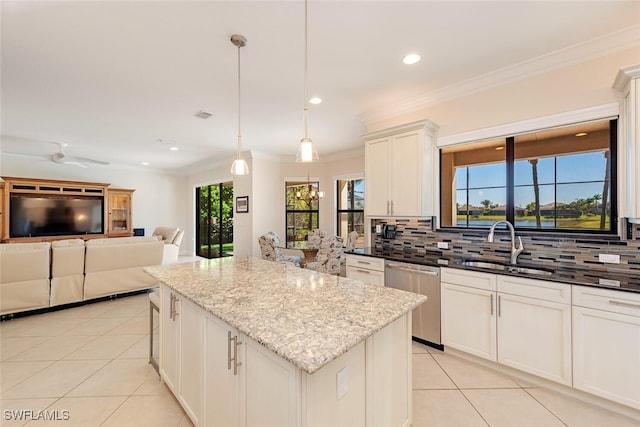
574 276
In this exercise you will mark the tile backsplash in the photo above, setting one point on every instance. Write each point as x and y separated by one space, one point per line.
418 235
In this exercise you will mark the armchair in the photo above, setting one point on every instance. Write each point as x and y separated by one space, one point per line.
314 238
329 257
172 237
271 250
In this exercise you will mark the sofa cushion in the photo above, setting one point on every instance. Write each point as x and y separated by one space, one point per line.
122 253
67 257
21 262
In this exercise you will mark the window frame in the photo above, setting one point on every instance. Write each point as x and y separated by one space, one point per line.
510 160
348 211
310 212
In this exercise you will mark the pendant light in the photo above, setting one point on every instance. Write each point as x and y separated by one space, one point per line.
306 150
239 165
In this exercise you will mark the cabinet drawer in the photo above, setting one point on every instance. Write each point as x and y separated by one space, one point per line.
370 263
473 279
373 277
532 288
606 299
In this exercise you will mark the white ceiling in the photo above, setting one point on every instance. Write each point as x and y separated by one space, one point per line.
110 79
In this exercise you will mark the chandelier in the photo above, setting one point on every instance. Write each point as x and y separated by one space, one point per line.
312 193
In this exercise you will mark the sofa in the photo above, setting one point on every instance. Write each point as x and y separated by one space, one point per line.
41 275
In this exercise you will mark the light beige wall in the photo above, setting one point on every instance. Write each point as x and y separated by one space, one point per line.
266 204
569 88
159 198
349 163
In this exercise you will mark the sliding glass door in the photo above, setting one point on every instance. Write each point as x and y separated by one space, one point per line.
214 220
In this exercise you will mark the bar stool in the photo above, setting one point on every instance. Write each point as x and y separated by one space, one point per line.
154 306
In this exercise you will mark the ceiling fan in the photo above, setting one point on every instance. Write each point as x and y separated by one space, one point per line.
65 159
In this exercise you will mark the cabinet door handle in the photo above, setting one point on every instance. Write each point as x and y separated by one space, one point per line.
392 207
492 304
233 359
388 207
229 350
236 363
624 304
174 312
499 305
364 262
359 270
172 306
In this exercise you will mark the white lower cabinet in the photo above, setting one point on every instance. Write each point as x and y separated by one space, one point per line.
221 383
181 336
534 331
366 269
169 339
468 315
606 344
522 323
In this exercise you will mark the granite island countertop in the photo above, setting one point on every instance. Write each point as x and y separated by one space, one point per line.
308 318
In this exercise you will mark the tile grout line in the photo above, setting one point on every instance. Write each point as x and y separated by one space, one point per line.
460 390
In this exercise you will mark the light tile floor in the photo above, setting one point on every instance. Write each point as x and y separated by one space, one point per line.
90 364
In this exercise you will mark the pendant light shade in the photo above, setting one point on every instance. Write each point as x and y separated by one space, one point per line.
239 165
306 150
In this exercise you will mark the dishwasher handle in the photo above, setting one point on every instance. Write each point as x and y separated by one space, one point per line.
411 270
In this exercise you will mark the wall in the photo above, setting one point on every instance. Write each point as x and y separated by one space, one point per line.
159 198
348 164
576 86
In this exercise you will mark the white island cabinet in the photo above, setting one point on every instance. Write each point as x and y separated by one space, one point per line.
248 342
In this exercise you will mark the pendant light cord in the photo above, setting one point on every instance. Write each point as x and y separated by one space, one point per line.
239 100
306 67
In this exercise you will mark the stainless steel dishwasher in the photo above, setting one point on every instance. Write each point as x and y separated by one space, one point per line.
423 280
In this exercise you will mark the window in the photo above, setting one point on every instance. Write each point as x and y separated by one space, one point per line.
350 214
301 212
561 179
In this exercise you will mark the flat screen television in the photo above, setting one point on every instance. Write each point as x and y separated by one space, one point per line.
34 215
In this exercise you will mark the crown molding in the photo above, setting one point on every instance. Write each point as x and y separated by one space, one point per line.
619 40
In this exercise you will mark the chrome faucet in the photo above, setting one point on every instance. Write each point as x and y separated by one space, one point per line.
514 251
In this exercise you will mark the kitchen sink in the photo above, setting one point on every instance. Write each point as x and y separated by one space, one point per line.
508 268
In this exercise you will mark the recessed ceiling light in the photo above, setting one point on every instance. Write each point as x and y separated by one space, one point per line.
315 100
499 148
581 134
411 59
145 163
173 148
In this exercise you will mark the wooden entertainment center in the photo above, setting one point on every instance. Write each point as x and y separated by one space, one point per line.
116 202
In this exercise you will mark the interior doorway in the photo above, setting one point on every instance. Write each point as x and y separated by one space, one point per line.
214 220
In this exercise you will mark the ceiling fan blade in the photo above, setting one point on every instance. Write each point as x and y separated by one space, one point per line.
60 157
38 156
86 160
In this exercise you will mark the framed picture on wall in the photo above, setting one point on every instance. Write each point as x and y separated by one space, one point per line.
242 204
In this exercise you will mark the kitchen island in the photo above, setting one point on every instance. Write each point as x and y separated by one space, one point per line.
251 342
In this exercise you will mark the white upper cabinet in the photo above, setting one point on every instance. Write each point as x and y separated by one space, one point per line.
628 82
401 171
